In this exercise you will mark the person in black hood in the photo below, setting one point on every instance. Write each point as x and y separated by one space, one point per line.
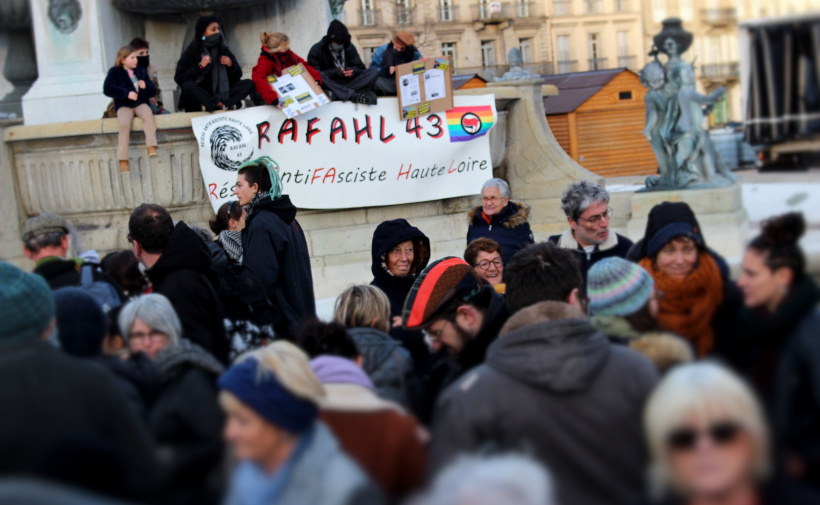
208 73
399 253
177 263
274 245
343 73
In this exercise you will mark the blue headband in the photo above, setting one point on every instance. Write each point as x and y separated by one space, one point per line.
669 232
268 397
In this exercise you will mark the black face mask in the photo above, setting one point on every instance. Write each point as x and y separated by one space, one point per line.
212 40
144 61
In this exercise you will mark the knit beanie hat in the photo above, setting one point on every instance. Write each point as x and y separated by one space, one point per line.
617 287
336 370
669 220
81 322
26 305
439 283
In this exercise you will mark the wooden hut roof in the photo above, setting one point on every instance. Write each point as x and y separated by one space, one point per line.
576 88
461 80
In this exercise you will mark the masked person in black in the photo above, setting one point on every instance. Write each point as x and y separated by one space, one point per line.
208 72
344 75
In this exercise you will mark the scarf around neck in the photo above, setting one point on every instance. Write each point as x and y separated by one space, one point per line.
689 304
255 201
231 241
338 55
220 85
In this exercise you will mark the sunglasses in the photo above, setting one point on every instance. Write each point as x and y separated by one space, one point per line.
685 439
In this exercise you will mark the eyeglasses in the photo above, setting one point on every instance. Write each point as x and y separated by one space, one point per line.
156 336
685 439
436 334
594 220
494 199
485 264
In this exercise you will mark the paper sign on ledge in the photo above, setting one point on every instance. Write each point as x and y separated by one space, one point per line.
298 91
424 87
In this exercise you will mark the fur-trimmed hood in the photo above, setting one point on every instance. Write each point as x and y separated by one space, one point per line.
512 216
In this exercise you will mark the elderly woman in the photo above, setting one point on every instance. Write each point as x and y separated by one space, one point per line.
365 312
484 254
500 219
286 456
699 300
586 206
185 419
399 253
623 304
709 442
776 344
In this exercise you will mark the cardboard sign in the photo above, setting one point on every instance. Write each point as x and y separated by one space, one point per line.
424 87
298 91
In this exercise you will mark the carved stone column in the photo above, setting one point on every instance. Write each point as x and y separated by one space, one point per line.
20 67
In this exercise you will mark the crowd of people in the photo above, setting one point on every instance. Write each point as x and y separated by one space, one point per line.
582 369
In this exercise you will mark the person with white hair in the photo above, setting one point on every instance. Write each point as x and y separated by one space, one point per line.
508 479
286 455
709 442
586 206
185 419
500 219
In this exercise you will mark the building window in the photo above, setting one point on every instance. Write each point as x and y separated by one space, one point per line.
624 58
367 55
367 14
625 95
622 5
562 7
658 10
592 6
488 53
446 13
484 9
686 10
564 58
449 49
404 13
596 59
523 8
526 50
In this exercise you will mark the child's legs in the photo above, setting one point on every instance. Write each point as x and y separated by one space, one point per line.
125 116
148 125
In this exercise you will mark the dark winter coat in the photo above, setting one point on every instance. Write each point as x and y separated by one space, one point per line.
320 58
275 249
615 245
388 235
118 85
53 403
273 64
187 422
188 66
60 273
389 366
181 275
781 492
137 378
559 391
510 228
664 349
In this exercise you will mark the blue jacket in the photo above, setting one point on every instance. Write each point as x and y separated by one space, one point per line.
509 228
118 85
378 59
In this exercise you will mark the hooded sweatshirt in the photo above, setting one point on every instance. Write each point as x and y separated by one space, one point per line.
559 391
180 274
321 59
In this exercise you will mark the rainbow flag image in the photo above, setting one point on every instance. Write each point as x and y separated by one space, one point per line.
467 123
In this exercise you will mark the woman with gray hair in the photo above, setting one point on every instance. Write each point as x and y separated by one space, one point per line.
185 420
710 444
500 219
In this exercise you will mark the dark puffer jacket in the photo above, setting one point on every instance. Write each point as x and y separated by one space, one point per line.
389 366
388 235
320 58
137 378
186 422
559 391
181 275
510 228
275 249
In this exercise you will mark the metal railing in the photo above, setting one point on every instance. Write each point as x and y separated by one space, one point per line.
719 16
627 61
543 68
593 6
597 63
404 15
448 13
567 66
562 7
720 70
368 17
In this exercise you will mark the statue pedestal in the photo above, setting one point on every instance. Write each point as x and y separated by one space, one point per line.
720 213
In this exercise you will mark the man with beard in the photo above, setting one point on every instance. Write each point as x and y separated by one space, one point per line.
398 51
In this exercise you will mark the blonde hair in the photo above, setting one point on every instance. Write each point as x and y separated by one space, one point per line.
290 366
274 41
358 306
711 393
123 53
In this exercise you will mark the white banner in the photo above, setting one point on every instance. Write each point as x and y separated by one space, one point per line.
338 157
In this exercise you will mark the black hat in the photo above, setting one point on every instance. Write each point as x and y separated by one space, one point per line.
337 32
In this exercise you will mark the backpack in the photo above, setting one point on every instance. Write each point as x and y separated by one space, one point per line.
103 292
243 297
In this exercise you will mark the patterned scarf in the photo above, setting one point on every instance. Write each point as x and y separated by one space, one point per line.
231 241
689 304
255 201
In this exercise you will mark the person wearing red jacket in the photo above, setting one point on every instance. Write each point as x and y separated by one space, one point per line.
276 56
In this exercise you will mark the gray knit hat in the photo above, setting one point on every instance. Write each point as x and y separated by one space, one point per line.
26 305
42 224
617 287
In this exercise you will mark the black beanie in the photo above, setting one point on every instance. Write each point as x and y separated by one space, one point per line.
338 32
667 213
81 323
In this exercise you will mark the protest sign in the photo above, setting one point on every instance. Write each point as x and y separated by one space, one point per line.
424 87
298 91
339 156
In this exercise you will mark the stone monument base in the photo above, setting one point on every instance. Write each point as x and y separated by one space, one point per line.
720 213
